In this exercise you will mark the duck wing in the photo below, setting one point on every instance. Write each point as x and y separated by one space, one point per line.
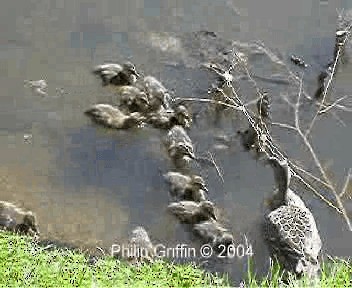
293 236
104 114
184 210
178 134
107 68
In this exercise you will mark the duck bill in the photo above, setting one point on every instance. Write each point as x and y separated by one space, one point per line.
192 156
213 216
136 74
205 188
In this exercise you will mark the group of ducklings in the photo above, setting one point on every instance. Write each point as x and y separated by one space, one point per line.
15 219
190 192
191 206
140 101
149 102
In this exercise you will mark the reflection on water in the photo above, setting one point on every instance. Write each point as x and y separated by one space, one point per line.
90 185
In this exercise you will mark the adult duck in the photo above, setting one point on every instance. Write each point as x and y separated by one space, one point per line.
290 228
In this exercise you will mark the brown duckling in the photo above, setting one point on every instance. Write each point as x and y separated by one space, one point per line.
138 249
192 212
218 94
133 99
166 119
213 233
17 220
141 242
157 93
116 74
113 117
186 187
181 154
263 107
177 134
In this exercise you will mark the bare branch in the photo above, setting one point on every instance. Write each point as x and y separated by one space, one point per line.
239 108
318 194
347 181
327 108
310 175
216 167
283 125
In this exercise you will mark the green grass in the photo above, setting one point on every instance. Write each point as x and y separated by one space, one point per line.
25 264
335 272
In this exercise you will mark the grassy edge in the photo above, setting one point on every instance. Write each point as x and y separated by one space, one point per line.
24 263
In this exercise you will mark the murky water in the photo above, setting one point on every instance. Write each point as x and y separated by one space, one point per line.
90 186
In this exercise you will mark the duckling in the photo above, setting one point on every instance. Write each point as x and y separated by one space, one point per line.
249 138
113 117
138 248
115 74
141 244
192 212
15 219
181 154
218 94
263 107
187 187
157 93
178 134
166 119
213 233
133 99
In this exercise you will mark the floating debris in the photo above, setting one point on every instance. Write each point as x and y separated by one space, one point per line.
298 61
38 86
27 138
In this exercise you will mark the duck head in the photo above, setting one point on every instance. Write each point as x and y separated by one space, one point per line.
130 69
208 209
199 183
183 116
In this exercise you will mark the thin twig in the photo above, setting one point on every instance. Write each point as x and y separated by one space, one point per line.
239 108
327 108
310 175
318 164
283 125
216 166
347 181
318 194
